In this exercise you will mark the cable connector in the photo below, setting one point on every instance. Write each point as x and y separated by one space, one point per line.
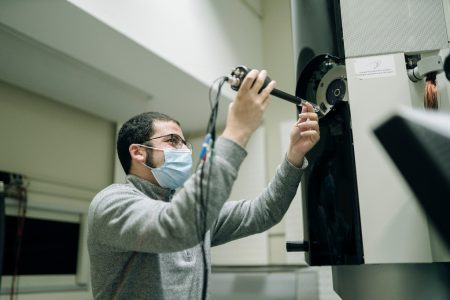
238 74
233 81
425 66
206 146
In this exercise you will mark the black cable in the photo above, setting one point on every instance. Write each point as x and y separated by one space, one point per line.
214 104
19 190
2 228
207 153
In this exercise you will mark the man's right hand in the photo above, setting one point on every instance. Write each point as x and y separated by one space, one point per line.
246 112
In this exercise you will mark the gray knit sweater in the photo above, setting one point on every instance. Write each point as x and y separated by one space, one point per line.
143 240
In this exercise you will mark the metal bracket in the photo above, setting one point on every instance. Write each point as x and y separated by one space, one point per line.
425 66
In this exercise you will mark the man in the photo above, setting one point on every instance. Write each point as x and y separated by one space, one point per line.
143 237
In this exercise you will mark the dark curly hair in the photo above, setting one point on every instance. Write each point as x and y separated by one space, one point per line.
137 130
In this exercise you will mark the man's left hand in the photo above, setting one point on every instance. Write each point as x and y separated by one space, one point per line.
304 135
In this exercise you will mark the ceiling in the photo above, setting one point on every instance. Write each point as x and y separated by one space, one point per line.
87 65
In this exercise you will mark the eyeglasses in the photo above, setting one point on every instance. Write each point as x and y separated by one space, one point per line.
175 140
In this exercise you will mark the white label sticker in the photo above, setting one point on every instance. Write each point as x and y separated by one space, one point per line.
375 67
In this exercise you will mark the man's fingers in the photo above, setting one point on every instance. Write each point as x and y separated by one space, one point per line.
308 115
249 80
310 133
259 82
265 93
308 106
309 125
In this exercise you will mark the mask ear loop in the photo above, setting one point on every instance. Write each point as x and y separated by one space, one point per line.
151 148
145 163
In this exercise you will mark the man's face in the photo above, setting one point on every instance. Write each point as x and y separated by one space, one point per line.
163 129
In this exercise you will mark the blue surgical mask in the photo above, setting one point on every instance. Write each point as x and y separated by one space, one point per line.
177 167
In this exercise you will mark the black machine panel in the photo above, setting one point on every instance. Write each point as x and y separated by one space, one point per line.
329 188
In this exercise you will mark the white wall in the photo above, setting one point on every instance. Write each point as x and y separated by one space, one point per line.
53 142
279 61
203 38
67 156
158 55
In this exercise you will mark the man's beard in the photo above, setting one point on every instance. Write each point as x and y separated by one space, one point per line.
149 160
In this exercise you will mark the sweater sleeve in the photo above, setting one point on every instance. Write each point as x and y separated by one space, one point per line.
242 218
128 220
